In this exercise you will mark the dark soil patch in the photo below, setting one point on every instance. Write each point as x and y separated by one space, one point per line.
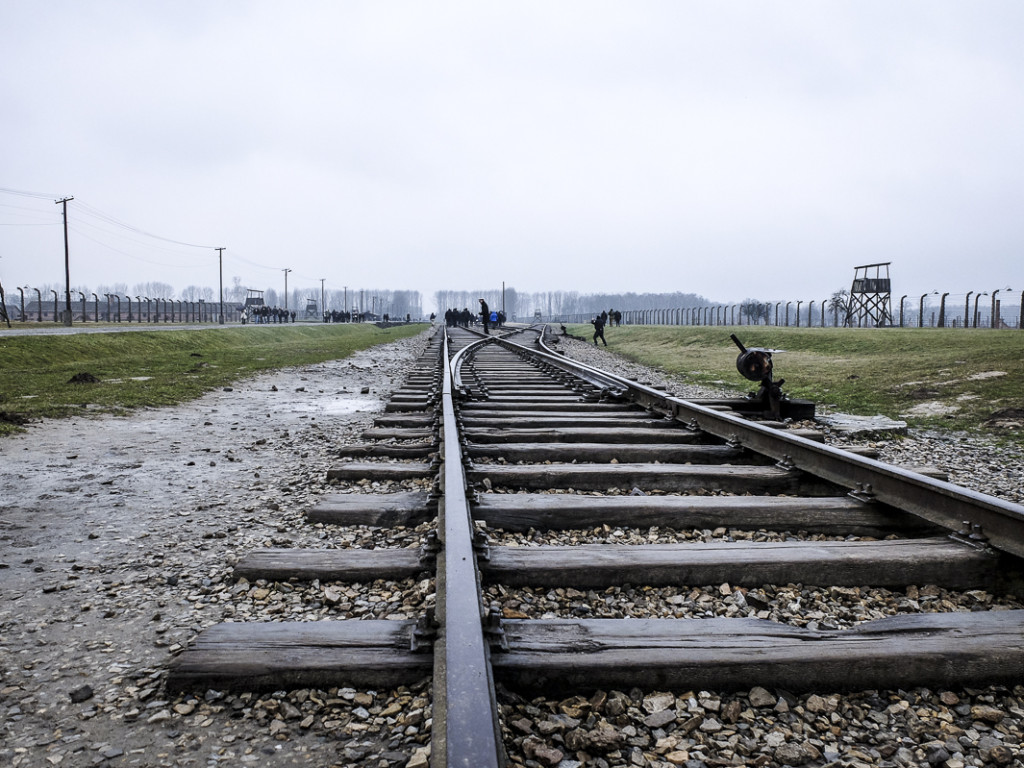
83 378
1006 418
12 417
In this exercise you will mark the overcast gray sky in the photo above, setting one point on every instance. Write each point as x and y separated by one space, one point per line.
732 149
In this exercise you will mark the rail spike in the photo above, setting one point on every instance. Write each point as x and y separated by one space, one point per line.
424 632
481 545
494 632
863 493
429 550
786 463
972 535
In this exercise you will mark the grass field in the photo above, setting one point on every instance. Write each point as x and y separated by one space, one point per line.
948 378
954 378
141 369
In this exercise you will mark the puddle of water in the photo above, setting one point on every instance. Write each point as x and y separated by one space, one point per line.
338 406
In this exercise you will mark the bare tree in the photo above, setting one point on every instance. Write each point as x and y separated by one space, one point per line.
120 289
197 293
839 303
236 292
755 311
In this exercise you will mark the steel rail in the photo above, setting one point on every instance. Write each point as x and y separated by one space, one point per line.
974 516
466 732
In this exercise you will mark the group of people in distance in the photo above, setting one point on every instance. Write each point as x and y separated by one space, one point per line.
336 316
464 318
271 315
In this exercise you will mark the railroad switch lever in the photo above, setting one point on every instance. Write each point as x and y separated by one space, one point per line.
755 364
494 632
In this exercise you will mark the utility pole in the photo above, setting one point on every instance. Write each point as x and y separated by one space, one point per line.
323 307
286 271
67 262
220 260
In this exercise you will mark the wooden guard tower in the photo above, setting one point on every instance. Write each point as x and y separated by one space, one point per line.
253 298
870 304
312 311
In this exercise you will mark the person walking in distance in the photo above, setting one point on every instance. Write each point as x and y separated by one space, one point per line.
485 314
598 323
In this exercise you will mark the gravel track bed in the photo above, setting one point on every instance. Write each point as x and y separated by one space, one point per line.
319 601
793 604
661 729
655 535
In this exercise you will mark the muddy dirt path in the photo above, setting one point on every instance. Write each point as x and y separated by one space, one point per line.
117 535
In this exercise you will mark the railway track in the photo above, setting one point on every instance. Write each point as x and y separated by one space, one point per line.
546 477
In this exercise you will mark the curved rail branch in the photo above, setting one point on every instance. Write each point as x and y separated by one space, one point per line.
984 519
466 730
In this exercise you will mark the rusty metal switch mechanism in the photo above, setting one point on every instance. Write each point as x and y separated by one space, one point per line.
755 364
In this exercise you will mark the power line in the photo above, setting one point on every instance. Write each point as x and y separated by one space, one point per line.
235 255
110 219
133 256
79 224
91 211
97 213
22 193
